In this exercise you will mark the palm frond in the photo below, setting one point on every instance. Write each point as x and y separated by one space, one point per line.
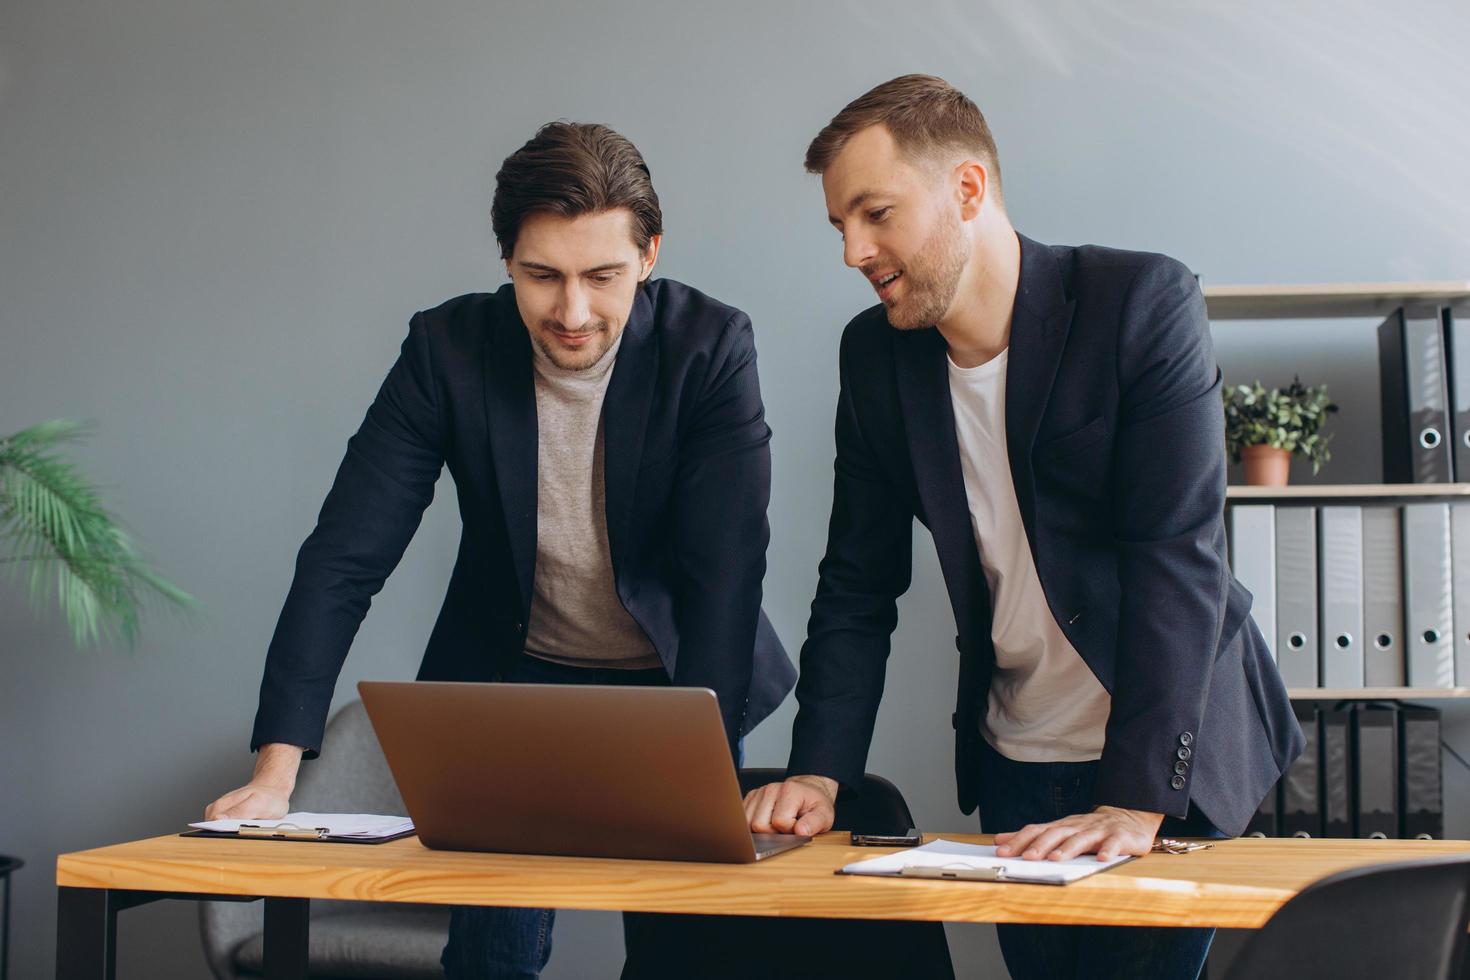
74 549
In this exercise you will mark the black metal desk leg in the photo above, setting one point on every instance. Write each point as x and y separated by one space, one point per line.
287 928
86 934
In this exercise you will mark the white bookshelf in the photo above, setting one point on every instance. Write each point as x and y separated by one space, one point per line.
1328 300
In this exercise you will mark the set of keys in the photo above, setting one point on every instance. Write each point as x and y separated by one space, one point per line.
1167 845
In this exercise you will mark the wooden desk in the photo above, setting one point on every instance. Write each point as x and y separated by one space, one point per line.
1237 884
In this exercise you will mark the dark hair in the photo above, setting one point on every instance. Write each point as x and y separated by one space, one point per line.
924 113
571 169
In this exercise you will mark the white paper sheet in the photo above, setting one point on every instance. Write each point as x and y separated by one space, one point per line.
943 853
368 826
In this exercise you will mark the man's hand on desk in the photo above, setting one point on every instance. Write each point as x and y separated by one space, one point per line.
1107 831
268 794
799 805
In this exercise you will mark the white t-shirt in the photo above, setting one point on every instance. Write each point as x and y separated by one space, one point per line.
1046 705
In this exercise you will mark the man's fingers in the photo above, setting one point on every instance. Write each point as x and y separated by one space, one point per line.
241 810
1048 841
758 808
1082 842
816 817
1111 847
790 804
749 804
252 804
788 807
1018 840
1125 842
216 810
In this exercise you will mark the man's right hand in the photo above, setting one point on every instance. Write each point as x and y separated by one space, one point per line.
268 794
800 805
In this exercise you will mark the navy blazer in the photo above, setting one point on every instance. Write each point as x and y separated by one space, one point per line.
688 475
1114 427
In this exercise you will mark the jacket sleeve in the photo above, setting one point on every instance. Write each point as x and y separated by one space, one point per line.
374 507
719 528
867 566
1169 497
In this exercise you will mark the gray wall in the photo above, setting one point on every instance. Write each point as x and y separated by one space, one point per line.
216 219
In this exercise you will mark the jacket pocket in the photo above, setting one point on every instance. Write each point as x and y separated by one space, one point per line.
1077 462
1073 442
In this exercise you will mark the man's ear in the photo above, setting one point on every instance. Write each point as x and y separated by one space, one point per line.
972 184
650 257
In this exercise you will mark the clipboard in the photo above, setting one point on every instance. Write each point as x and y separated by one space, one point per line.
943 860
293 832
988 874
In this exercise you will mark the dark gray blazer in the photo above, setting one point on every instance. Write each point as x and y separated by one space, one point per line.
1115 434
688 471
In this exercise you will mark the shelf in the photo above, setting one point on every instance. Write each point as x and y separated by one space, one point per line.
1369 299
1349 491
1375 693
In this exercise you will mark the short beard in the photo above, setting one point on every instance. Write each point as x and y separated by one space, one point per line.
573 360
933 278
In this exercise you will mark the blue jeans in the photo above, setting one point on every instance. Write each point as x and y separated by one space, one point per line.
514 943
1013 794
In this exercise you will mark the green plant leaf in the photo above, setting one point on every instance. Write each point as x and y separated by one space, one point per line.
1288 418
72 548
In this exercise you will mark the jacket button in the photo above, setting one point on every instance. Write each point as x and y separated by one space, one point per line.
957 645
1177 782
520 626
1183 752
1186 738
1181 767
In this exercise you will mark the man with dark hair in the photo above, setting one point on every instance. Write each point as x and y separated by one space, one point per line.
1052 415
610 454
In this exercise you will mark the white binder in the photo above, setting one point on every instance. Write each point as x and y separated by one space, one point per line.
1253 559
1341 576
1296 595
1383 598
1460 588
1428 602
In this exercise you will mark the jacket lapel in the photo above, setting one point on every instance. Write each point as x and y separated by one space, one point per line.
625 419
1039 323
928 415
510 416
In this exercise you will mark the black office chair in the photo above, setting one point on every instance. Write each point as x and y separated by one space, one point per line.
1405 920
731 947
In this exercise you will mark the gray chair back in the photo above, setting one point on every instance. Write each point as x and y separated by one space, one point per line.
349 776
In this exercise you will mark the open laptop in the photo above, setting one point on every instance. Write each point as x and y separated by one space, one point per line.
592 771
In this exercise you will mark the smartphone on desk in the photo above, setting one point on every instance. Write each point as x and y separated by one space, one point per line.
909 838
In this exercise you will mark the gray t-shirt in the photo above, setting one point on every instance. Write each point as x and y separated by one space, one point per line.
576 615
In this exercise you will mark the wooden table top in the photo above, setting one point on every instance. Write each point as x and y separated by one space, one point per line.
1236 884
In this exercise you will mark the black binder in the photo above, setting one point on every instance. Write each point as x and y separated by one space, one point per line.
1457 356
1337 773
1416 422
1376 769
1301 816
1264 824
1421 784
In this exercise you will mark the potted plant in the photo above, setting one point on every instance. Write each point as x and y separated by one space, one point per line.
53 523
1264 429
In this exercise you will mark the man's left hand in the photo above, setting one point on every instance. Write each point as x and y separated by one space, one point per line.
1108 831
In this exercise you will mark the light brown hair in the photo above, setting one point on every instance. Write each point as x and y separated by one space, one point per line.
925 114
571 169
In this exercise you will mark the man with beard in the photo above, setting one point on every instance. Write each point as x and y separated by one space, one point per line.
1052 415
611 458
